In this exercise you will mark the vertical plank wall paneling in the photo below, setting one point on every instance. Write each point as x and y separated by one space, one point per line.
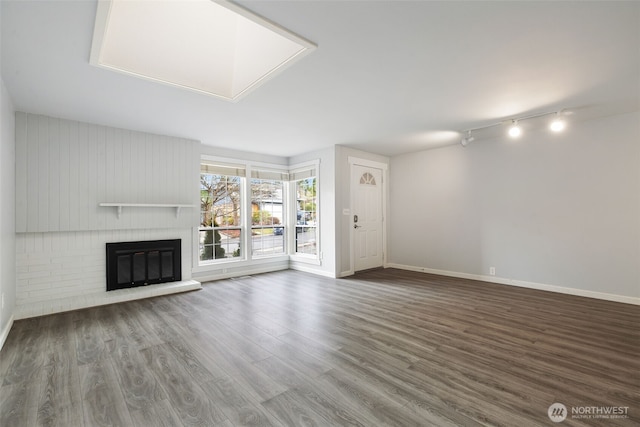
83 166
74 185
97 136
21 167
55 171
32 173
42 185
66 168
64 160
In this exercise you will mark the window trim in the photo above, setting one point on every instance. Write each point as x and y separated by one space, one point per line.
247 258
230 164
289 214
285 216
293 169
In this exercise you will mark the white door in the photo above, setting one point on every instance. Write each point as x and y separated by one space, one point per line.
366 220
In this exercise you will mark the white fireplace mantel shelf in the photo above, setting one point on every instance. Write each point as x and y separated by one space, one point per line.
119 206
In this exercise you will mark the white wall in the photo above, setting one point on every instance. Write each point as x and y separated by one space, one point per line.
559 212
243 155
64 169
7 213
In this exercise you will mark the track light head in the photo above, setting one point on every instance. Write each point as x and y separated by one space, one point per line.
468 139
515 131
558 124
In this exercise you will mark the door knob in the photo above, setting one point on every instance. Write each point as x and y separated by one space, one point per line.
356 226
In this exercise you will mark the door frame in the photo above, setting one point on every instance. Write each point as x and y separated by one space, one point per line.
384 167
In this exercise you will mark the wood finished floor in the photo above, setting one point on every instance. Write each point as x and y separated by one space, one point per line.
386 347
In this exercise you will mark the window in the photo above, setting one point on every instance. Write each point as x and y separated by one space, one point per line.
221 229
267 212
252 211
306 194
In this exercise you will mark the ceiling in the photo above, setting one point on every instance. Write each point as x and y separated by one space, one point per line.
388 77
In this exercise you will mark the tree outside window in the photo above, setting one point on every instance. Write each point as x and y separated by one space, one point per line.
220 219
306 216
236 197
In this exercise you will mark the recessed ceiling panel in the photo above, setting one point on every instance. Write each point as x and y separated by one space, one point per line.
215 47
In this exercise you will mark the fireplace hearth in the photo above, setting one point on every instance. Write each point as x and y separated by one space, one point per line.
132 264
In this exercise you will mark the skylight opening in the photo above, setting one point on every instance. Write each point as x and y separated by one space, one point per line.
209 46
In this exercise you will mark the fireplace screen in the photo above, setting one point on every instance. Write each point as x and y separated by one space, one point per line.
131 264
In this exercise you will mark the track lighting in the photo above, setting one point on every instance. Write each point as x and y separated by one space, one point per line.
465 141
558 124
515 131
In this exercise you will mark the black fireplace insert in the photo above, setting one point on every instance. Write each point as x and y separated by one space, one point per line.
131 264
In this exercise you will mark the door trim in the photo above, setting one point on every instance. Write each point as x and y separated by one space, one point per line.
384 167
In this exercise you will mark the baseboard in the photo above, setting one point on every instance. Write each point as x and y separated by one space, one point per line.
523 284
221 274
5 332
346 273
95 300
309 268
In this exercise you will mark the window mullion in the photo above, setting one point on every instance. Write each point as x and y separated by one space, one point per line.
247 214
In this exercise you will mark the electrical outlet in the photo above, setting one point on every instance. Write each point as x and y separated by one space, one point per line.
492 271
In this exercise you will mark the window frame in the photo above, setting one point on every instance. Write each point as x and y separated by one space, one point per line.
313 166
228 164
285 203
247 257
289 214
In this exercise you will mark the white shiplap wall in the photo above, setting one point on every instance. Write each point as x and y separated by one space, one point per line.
64 169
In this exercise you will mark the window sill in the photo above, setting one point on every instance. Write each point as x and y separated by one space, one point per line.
235 263
307 259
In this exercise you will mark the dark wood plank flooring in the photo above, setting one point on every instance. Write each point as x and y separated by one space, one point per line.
386 347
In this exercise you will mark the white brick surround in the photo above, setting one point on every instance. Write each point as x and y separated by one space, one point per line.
67 270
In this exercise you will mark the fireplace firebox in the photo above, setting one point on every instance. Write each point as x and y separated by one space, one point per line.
131 264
